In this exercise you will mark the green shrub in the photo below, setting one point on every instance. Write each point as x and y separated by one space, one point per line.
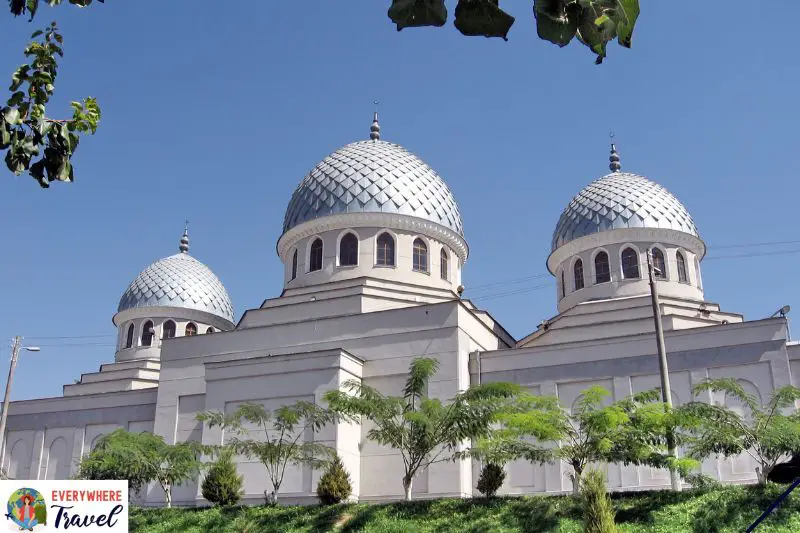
597 507
334 485
222 486
491 479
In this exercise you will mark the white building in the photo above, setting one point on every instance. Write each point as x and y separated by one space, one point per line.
373 249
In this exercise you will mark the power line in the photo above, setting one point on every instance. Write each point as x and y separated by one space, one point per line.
73 337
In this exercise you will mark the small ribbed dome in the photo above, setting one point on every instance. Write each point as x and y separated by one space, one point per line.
621 200
377 177
179 280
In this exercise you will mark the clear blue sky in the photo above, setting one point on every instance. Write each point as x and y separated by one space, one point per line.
215 114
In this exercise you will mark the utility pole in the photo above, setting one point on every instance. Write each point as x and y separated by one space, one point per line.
666 390
4 416
15 348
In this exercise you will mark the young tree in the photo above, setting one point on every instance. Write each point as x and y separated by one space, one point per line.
766 433
283 441
598 511
491 479
424 430
540 430
142 458
594 22
222 484
334 486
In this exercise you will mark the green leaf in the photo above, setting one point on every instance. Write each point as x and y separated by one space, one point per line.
556 20
482 18
11 115
628 14
415 13
16 98
19 77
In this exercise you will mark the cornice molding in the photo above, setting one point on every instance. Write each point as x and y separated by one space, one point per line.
392 221
626 235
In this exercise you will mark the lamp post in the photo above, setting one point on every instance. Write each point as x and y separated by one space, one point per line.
14 355
666 391
783 311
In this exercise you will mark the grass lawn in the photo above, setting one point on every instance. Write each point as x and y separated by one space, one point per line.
730 509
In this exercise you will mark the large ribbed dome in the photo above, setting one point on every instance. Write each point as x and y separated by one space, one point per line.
621 200
377 177
179 280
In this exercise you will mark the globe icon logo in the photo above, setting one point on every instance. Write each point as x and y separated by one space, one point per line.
26 508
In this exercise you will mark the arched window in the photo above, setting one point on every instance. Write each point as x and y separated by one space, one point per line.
294 264
602 272
420 256
577 270
659 264
191 330
129 339
315 259
630 263
697 272
169 330
444 264
681 261
211 330
563 285
147 333
348 250
385 255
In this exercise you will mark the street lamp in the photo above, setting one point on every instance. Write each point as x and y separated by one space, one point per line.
666 390
14 355
783 311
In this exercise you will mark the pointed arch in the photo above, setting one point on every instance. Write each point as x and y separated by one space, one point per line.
191 329
209 330
602 269
659 264
577 273
444 264
129 336
315 256
147 333
420 256
348 249
630 263
697 273
680 260
385 250
169 330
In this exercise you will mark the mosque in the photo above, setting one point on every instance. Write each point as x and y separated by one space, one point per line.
373 249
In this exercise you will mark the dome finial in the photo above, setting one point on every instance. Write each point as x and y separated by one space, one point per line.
614 164
184 247
375 129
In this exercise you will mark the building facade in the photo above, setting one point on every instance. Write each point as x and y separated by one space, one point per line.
373 248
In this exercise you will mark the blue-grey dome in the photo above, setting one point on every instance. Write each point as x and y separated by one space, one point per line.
179 280
621 200
377 177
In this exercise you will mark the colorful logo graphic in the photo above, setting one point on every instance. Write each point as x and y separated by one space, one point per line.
27 509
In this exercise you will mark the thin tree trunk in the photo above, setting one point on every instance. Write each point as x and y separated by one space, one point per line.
761 473
407 482
168 495
576 480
